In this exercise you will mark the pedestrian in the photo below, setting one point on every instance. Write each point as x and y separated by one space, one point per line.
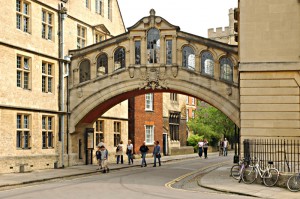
205 147
156 153
225 146
200 147
144 150
101 143
104 159
129 152
98 155
119 152
221 143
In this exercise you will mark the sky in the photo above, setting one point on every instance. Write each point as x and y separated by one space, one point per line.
192 16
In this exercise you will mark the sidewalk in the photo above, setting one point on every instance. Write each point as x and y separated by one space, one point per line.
13 179
220 180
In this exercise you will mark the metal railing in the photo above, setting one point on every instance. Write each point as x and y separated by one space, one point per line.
284 153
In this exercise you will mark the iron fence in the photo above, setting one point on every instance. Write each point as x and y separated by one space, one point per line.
284 153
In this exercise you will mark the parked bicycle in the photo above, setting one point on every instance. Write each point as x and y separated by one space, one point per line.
293 183
269 175
237 169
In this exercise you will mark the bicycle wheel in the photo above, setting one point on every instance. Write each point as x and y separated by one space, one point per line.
270 177
235 172
293 183
249 175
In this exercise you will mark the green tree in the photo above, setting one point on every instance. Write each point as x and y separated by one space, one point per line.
212 124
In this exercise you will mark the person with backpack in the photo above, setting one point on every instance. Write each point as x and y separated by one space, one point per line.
119 152
104 159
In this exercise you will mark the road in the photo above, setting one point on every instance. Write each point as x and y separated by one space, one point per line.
173 180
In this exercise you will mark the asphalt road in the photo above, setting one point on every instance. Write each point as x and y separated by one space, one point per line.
174 180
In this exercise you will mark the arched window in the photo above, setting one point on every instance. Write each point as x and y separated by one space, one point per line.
119 58
226 69
188 58
153 46
102 65
84 71
207 63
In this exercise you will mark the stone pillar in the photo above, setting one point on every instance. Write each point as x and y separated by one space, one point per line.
143 50
131 51
217 70
197 63
111 64
174 51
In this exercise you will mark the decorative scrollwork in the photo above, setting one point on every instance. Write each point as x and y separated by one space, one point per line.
153 79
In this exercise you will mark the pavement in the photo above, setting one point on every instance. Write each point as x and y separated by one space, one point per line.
217 179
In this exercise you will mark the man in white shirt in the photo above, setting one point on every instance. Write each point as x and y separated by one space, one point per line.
225 145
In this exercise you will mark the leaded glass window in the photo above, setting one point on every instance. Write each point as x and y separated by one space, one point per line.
207 63
137 52
84 71
153 46
226 69
119 58
188 58
102 65
169 52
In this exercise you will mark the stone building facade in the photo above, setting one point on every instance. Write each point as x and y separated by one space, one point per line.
269 36
35 39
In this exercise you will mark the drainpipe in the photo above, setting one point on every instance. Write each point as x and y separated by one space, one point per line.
63 15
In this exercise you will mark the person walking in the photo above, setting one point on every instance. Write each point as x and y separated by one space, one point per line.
98 157
156 153
205 147
144 150
225 146
104 159
200 148
221 147
119 152
129 152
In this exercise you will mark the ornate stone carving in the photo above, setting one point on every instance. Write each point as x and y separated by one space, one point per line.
229 91
174 71
79 92
131 72
153 79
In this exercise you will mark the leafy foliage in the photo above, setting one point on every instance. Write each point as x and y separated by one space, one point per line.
212 124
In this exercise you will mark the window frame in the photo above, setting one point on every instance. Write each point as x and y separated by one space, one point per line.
23 131
23 72
228 63
149 105
46 86
48 25
47 132
149 134
117 132
22 15
119 58
169 46
81 39
207 55
99 131
86 70
153 46
185 61
99 7
137 52
109 9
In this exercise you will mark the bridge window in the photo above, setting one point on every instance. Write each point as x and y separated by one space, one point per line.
226 69
149 102
169 52
102 65
119 58
153 46
207 63
174 121
188 58
84 71
137 52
